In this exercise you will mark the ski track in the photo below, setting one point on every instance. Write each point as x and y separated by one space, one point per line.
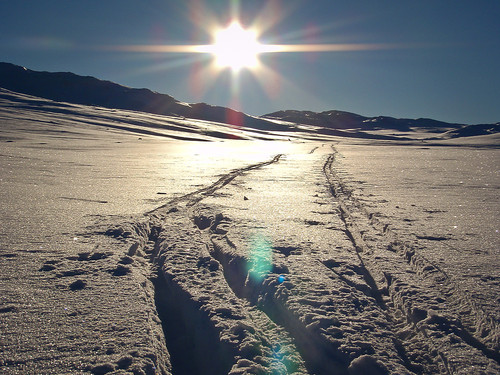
434 314
360 301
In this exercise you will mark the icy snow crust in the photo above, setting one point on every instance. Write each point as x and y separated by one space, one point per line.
128 252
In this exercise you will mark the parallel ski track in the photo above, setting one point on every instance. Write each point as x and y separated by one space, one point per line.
470 316
391 294
196 196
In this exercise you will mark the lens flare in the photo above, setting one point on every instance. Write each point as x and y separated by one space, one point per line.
237 48
260 258
282 361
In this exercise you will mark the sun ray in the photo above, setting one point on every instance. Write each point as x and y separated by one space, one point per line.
269 16
260 48
201 79
275 84
236 48
336 47
163 48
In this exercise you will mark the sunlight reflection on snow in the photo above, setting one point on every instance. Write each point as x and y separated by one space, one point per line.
242 150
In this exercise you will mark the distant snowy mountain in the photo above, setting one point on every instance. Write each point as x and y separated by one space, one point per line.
73 88
346 120
473 130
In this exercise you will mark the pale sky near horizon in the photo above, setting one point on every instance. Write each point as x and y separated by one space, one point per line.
440 59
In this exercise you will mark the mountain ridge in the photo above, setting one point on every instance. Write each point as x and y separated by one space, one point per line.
348 120
87 90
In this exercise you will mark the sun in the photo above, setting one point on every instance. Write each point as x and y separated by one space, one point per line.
236 48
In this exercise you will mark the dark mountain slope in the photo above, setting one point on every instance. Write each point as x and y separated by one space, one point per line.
345 120
473 130
72 88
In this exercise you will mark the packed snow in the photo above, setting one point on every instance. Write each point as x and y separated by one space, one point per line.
134 243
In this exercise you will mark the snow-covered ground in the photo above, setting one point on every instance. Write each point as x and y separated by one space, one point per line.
127 248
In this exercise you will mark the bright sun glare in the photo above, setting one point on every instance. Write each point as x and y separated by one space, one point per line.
236 47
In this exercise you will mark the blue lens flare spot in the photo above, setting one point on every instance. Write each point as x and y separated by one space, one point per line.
281 278
261 258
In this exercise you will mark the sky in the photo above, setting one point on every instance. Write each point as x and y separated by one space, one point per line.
436 59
